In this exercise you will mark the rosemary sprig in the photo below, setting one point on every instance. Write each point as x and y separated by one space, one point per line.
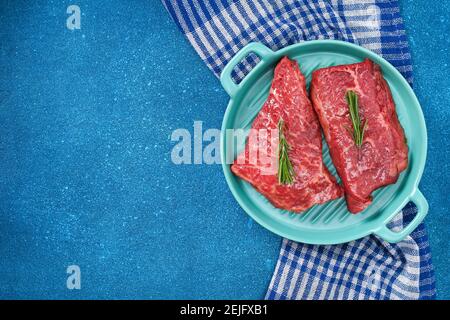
358 127
285 169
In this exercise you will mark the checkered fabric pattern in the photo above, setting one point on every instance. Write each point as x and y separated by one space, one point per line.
368 268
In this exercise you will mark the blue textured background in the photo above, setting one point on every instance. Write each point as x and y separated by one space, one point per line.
85 170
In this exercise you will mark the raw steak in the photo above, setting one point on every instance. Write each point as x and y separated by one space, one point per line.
312 184
383 153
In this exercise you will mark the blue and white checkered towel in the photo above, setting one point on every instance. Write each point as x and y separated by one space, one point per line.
369 268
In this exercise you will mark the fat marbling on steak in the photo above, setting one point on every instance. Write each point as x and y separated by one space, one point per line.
383 154
312 183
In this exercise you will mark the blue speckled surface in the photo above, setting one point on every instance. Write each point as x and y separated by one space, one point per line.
85 170
428 29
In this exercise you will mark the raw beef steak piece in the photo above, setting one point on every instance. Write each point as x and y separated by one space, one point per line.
312 183
383 154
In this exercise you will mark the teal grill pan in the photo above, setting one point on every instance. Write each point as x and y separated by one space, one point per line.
329 223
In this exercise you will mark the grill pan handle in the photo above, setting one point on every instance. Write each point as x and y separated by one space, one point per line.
225 77
422 209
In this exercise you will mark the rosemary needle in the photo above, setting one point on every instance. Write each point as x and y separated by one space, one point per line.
285 169
358 127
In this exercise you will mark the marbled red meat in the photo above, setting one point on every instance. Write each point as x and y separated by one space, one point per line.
313 184
383 154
